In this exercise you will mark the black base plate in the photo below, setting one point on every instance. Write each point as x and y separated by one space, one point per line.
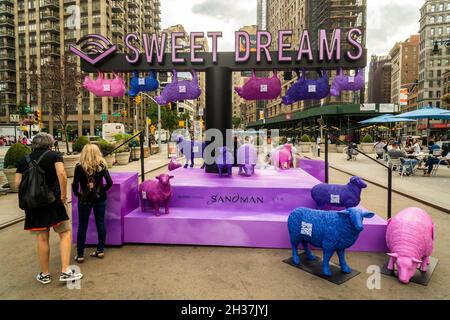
315 268
420 277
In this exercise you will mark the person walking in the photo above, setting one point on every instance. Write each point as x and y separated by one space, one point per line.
88 187
54 215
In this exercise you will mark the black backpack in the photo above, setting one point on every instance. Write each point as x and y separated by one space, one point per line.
33 189
91 193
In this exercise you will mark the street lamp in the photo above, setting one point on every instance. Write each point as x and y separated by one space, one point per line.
436 44
159 121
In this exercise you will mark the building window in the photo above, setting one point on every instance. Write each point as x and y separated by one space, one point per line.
441 7
430 94
440 31
433 8
432 19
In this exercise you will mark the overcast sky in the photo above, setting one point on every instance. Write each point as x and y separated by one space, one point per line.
388 21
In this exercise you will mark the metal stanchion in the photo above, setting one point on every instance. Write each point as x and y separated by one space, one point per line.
141 142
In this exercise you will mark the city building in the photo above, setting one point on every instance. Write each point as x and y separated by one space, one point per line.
43 30
434 26
7 60
405 66
261 14
380 79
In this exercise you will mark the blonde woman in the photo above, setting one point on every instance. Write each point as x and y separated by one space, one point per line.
88 187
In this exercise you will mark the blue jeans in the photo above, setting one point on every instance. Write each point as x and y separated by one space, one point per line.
84 210
410 165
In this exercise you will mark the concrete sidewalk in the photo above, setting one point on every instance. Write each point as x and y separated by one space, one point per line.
431 190
10 212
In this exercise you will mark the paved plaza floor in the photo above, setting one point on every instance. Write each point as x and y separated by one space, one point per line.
181 272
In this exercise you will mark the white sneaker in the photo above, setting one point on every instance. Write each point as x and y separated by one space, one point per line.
70 276
43 279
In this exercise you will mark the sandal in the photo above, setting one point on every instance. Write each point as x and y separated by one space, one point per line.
98 254
79 259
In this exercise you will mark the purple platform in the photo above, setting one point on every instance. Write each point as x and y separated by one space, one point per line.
238 211
122 199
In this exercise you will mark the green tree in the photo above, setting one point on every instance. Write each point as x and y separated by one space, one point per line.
169 118
236 122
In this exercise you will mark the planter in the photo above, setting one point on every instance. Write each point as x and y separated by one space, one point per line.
146 152
110 159
305 147
332 148
367 148
136 153
122 158
340 148
154 149
10 176
70 161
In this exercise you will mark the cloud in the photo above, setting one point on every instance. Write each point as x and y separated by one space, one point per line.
389 22
242 12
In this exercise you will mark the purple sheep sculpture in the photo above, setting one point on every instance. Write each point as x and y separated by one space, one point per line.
247 158
307 89
191 150
180 90
173 164
346 196
224 161
156 191
409 237
333 231
347 83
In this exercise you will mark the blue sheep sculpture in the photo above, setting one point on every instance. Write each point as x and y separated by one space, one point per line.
346 196
330 230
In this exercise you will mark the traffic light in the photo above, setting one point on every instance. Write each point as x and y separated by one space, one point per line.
37 116
138 99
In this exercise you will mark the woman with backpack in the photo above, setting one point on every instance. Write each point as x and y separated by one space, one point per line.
88 187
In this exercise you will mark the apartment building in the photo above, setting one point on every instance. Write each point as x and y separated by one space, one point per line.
405 66
434 26
7 59
379 90
44 29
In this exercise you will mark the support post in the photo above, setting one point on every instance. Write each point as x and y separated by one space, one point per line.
218 103
159 128
327 179
141 143
389 204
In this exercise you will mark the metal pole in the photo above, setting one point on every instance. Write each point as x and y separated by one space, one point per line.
147 132
159 128
326 157
141 142
389 204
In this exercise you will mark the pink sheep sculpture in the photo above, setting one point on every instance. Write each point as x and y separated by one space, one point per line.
409 237
283 158
156 191
174 164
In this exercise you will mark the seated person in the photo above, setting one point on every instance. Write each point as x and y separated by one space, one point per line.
416 146
351 150
396 153
432 160
379 148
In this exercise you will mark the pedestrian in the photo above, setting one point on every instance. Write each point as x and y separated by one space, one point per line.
91 193
40 220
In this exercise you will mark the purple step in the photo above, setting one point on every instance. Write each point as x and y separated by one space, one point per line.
228 227
268 190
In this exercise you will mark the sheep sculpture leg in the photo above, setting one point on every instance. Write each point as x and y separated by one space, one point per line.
156 208
166 207
327 254
295 257
391 263
344 266
308 252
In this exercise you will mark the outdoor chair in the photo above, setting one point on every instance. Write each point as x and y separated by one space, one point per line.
437 152
398 164
436 167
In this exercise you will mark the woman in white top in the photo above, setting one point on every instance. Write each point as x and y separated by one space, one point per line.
416 146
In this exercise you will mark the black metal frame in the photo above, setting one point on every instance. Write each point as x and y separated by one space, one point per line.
141 144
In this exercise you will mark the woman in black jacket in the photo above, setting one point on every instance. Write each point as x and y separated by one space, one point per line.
88 187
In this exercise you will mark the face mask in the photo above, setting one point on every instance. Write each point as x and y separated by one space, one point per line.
147 84
180 90
260 88
308 89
